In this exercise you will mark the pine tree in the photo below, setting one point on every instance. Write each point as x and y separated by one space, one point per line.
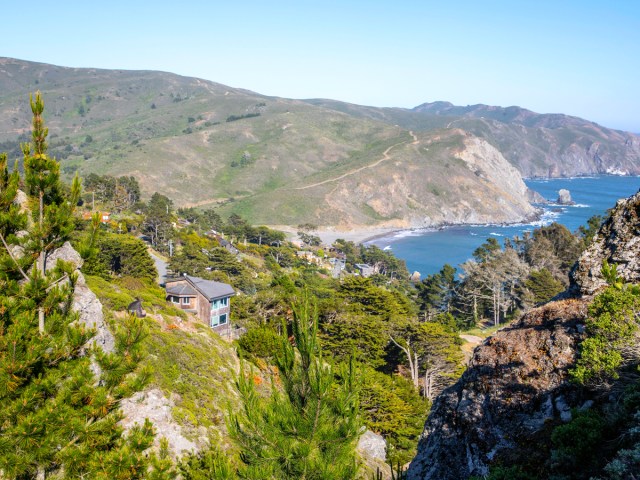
307 429
57 418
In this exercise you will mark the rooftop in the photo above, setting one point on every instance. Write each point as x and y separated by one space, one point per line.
210 289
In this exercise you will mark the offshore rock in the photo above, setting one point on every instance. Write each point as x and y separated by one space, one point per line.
564 197
514 387
618 242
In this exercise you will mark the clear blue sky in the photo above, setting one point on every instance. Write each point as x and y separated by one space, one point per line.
562 56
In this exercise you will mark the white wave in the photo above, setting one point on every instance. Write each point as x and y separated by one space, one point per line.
496 234
388 247
580 205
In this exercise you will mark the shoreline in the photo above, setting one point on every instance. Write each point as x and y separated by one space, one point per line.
362 235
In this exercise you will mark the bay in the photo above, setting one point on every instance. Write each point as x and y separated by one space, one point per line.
426 251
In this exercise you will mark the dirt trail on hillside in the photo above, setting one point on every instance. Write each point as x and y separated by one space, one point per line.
385 157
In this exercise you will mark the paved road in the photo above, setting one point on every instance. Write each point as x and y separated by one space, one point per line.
161 266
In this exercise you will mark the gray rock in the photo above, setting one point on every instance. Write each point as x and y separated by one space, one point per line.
564 197
586 405
618 242
87 304
507 396
67 253
517 384
153 405
563 409
535 197
22 200
372 445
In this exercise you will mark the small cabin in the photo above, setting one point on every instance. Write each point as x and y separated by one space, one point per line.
210 301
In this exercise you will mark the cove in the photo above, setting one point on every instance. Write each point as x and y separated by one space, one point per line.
426 251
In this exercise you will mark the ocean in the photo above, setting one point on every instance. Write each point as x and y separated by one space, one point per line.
426 251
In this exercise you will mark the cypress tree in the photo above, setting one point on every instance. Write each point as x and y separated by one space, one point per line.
57 418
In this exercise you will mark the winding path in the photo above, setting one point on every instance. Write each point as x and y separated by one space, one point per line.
385 157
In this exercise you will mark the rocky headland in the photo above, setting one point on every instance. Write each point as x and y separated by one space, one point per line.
516 387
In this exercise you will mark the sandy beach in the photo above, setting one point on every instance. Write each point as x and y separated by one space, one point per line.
331 234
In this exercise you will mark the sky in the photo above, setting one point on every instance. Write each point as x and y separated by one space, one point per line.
563 56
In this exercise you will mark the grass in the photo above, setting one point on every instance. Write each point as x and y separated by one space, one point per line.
190 363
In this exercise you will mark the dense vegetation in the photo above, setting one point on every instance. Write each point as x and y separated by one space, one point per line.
55 414
366 350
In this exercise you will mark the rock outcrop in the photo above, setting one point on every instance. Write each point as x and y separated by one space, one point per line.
515 385
85 301
156 407
618 242
564 197
515 390
372 452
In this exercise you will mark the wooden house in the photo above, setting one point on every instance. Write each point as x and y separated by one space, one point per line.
209 300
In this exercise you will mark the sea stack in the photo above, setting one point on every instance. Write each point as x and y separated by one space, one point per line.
564 197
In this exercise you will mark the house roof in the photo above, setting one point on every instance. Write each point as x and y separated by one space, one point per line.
181 289
210 289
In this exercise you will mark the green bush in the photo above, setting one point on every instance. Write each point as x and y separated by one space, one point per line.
612 323
261 342
576 444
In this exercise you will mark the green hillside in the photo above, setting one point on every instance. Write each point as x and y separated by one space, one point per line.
286 162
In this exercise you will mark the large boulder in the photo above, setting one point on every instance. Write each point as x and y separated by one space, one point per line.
564 197
514 388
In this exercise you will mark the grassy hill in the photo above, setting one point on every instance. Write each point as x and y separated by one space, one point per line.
280 161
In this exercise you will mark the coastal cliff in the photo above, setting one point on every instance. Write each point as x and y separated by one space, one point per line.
516 389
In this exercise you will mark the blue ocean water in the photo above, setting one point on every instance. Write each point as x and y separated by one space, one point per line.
427 251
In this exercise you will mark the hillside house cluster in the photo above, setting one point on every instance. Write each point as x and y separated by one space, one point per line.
209 300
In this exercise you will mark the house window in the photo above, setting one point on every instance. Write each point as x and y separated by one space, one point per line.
185 300
217 320
175 299
224 302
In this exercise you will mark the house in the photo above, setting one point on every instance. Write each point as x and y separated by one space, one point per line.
309 256
209 300
226 244
105 217
364 269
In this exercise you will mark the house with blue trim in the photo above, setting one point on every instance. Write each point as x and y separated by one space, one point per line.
210 301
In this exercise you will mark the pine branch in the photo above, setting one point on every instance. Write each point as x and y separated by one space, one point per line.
24 275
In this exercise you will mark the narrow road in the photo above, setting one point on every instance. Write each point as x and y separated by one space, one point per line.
385 157
161 266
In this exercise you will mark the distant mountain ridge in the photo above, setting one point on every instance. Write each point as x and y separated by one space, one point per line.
284 162
538 145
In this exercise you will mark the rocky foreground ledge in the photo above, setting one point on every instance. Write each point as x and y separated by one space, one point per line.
515 389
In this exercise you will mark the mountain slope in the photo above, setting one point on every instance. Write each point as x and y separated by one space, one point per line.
276 161
539 145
